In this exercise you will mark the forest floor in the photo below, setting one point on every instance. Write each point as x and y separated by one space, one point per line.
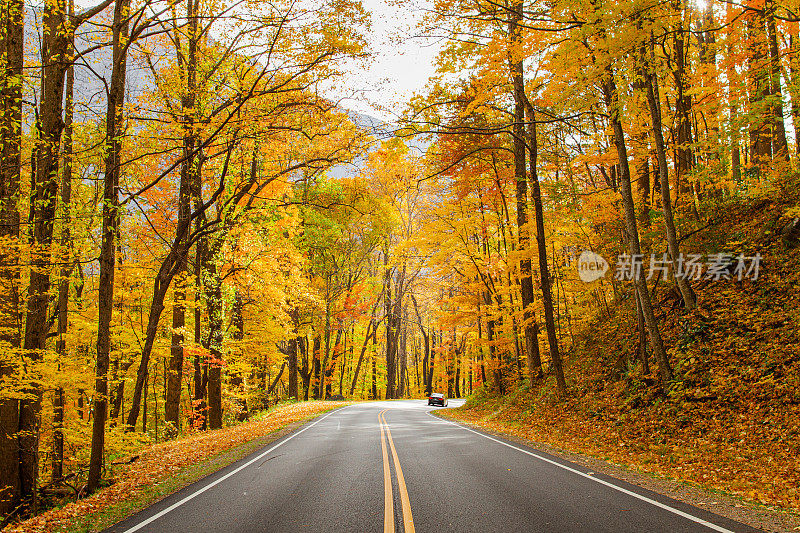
730 421
164 468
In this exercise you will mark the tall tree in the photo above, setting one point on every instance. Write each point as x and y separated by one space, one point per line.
58 30
684 160
689 298
188 179
11 77
105 298
544 272
67 264
521 178
758 69
780 147
632 233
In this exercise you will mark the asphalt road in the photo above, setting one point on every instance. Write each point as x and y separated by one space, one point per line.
392 466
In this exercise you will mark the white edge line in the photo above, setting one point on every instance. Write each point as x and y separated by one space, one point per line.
587 476
156 516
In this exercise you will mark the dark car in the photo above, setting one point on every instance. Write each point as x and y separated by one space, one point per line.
437 398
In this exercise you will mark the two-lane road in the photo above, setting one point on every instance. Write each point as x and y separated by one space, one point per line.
392 466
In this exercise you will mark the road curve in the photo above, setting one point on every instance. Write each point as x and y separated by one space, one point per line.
392 466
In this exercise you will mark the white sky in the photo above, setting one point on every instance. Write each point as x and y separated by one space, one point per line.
401 64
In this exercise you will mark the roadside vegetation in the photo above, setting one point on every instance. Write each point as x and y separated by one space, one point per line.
730 418
158 470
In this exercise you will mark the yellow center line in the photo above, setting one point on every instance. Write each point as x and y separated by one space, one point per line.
388 510
408 519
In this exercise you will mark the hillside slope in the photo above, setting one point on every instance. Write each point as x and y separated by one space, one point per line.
731 418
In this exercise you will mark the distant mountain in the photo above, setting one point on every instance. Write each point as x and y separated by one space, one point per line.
381 130
385 130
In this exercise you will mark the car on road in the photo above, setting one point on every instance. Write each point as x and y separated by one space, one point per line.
437 398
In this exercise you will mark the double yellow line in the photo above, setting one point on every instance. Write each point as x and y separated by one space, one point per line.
388 514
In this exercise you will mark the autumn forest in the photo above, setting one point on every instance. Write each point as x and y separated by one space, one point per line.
591 208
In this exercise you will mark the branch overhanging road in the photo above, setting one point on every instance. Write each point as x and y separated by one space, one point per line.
393 467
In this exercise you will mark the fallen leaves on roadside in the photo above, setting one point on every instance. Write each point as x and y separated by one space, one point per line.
163 461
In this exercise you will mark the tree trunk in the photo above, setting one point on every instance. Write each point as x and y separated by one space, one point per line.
199 418
372 328
401 356
497 374
641 330
276 380
113 146
426 361
544 273
213 290
331 365
374 368
683 109
426 356
351 357
432 362
794 82
175 372
780 148
520 176
389 333
305 371
118 391
11 51
317 365
292 357
57 459
689 298
164 277
758 88
292 360
187 184
144 410
458 375
731 75
326 357
236 379
55 40
643 182
610 95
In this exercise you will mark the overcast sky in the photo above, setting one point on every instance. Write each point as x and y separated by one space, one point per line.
401 64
